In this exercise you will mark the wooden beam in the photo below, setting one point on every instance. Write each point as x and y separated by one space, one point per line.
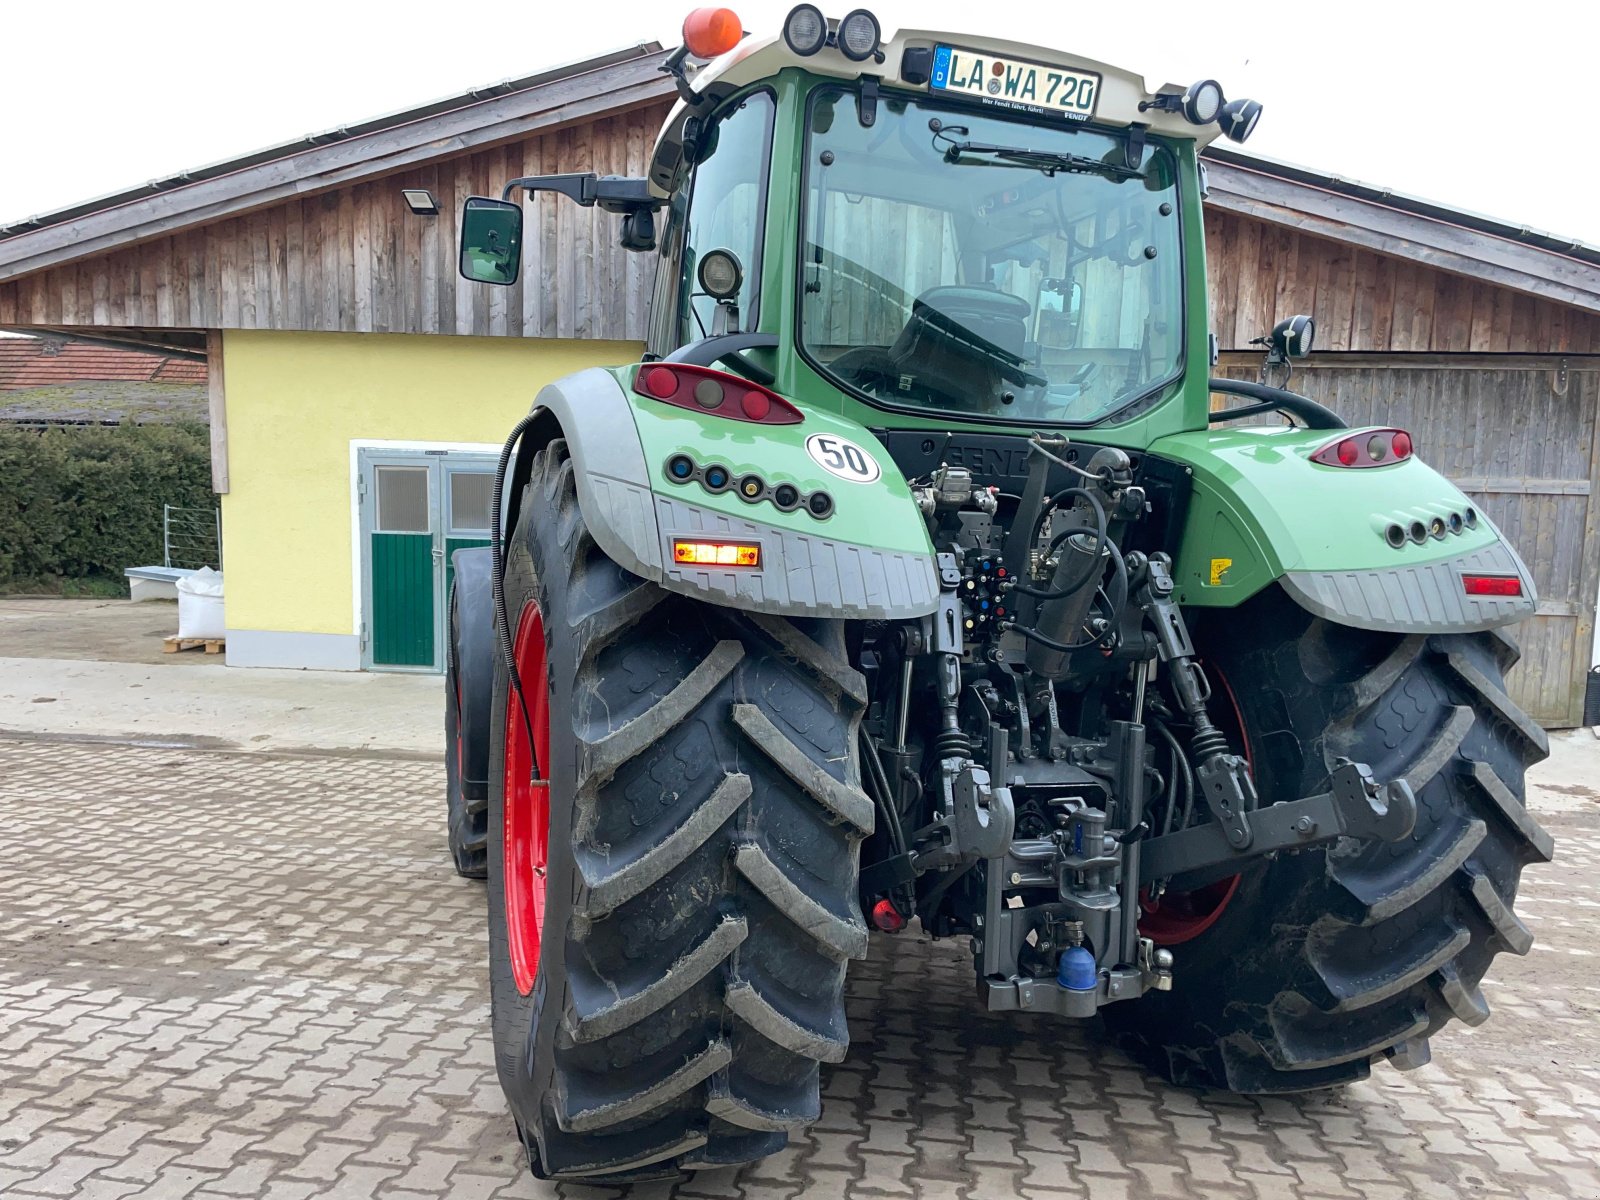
488 123
1490 486
1436 243
216 397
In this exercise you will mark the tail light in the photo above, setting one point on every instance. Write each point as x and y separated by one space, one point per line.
1491 585
700 389
887 917
1369 448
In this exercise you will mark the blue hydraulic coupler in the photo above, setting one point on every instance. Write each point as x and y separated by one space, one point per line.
1077 972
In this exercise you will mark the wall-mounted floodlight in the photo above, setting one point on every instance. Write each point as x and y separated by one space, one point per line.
420 201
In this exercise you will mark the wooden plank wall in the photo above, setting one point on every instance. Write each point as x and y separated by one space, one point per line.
1524 445
1261 272
357 260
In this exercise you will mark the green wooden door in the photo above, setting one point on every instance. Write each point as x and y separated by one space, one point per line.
417 508
467 489
403 621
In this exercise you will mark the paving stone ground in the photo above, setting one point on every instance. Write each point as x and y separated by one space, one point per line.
238 976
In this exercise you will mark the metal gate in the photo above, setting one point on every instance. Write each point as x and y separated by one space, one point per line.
417 508
1518 434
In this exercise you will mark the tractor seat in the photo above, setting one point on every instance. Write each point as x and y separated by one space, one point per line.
995 316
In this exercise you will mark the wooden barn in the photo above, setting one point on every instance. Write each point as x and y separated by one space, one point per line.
359 389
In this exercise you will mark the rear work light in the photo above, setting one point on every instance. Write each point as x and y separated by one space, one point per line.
701 389
1491 585
716 554
1369 448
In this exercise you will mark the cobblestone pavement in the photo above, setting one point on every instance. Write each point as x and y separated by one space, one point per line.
227 975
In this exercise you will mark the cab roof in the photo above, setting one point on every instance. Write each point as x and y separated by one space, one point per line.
1118 103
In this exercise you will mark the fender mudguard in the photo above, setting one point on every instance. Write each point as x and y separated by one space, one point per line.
869 558
474 648
1382 547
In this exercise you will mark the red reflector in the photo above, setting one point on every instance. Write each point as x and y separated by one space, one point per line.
1349 452
716 393
1491 585
887 917
659 382
1401 445
756 406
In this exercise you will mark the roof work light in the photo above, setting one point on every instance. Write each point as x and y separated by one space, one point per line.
805 30
859 35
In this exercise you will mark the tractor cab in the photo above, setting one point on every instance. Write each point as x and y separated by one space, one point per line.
936 227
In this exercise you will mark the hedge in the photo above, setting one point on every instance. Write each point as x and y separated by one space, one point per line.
84 502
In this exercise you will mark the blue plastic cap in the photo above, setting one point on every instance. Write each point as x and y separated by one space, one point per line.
1077 972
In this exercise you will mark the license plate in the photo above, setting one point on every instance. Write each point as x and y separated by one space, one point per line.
1011 83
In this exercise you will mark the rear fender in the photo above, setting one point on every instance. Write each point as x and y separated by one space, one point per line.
870 558
1262 511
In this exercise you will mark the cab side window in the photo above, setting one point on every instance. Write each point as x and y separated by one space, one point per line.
727 210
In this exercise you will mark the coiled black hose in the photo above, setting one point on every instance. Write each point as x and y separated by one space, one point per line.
1116 599
1101 537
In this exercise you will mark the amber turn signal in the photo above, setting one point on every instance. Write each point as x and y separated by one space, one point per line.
716 554
708 32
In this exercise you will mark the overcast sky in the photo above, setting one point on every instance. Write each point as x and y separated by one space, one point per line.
1478 106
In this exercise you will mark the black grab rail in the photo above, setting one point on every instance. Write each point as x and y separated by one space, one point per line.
1271 399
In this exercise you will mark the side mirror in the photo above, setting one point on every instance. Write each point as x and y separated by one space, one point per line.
491 241
1291 338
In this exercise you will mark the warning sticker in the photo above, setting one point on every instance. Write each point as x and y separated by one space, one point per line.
1219 568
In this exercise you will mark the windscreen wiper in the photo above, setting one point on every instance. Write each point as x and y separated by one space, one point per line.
1048 161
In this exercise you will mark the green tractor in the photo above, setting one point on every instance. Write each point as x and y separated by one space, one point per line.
911 574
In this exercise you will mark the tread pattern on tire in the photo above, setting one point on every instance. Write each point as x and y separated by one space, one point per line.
1359 953
715 825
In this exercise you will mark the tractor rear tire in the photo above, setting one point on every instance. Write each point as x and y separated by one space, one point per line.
1324 961
699 895
466 800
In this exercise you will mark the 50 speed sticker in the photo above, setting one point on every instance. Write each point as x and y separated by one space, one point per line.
842 457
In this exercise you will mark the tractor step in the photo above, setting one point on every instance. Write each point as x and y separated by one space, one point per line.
175 643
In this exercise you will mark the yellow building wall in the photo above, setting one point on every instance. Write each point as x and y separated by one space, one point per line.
295 402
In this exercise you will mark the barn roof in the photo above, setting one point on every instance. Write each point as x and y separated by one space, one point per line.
1559 269
1390 222
474 119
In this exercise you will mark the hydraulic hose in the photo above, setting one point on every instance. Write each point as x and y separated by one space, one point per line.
1101 536
1183 773
497 573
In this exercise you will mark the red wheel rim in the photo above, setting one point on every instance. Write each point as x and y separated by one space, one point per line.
1179 917
526 844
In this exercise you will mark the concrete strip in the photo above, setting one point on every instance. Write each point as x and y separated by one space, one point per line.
258 710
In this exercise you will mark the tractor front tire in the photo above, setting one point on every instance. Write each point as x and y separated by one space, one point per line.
1321 962
697 896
